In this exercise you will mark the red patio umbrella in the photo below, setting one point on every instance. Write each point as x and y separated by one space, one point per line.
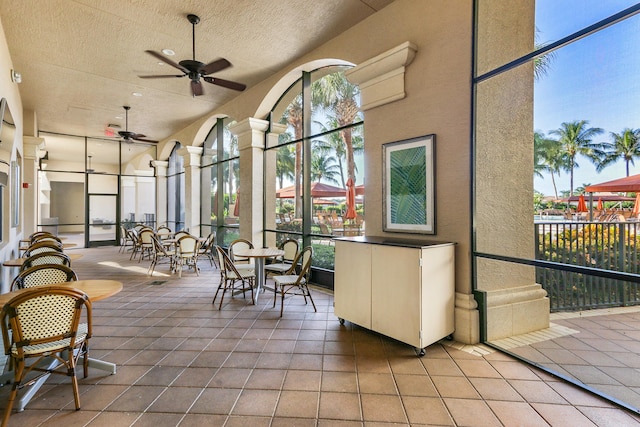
636 206
351 200
236 208
582 205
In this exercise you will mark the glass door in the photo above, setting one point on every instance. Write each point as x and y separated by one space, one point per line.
102 209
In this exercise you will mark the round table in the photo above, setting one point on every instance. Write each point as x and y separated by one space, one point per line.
17 262
259 254
95 289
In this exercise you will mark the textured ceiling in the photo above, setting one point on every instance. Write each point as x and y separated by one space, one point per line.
80 59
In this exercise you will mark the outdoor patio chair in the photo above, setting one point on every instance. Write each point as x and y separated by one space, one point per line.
163 232
206 250
230 276
187 254
46 238
41 247
295 284
146 242
126 239
35 236
137 244
161 254
46 258
282 264
45 324
43 274
237 245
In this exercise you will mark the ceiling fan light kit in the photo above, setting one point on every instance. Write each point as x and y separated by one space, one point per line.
196 70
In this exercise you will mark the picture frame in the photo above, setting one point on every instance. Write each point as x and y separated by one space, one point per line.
409 185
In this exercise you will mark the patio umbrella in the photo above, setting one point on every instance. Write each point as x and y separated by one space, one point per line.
636 206
600 205
582 205
351 200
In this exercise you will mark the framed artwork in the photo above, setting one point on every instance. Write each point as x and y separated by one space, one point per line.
408 185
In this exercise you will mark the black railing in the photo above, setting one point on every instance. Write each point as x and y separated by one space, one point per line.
604 245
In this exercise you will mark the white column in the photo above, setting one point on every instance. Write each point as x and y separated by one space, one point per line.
270 179
192 156
250 133
161 190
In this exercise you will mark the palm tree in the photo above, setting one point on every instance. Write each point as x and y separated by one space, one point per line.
285 164
576 138
324 167
549 157
338 97
293 117
333 142
625 146
542 63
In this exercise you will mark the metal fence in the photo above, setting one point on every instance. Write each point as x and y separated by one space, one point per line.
604 245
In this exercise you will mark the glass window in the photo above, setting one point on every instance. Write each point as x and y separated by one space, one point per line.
313 161
175 190
220 181
545 129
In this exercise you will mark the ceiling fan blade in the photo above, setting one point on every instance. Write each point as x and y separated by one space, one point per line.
196 88
139 138
215 66
167 61
161 76
225 83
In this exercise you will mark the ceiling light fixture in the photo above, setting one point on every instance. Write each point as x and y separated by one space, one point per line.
168 52
136 94
16 77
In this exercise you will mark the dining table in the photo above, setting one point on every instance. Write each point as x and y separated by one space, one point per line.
259 255
96 290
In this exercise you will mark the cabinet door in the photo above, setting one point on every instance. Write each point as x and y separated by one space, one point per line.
395 293
352 283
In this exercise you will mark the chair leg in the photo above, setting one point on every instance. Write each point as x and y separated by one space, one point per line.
74 380
308 294
19 366
282 300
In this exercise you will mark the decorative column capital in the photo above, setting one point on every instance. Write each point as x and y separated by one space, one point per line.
161 167
255 128
191 154
381 78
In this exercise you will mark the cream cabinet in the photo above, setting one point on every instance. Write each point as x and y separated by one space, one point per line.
400 288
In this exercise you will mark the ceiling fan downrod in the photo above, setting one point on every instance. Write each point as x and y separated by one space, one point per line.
194 19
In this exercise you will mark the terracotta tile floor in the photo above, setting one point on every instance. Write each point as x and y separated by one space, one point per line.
181 361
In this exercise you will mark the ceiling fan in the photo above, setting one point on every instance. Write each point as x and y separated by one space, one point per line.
197 70
130 136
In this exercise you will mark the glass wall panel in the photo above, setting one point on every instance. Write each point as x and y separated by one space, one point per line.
332 132
175 190
62 202
541 138
230 184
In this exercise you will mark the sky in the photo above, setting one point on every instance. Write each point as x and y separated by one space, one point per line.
596 78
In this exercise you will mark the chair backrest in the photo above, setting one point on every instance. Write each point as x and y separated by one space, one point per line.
146 236
46 258
237 245
187 245
158 247
39 234
41 316
290 248
181 233
207 245
302 261
41 247
46 238
226 264
44 274
163 231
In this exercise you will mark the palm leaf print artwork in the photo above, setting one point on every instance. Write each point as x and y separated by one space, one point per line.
408 186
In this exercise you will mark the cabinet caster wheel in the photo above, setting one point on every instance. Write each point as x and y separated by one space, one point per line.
420 352
341 320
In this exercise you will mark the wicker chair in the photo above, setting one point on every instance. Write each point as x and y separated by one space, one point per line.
283 264
46 258
160 254
237 245
44 274
230 276
41 247
146 243
295 284
44 323
206 249
187 253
